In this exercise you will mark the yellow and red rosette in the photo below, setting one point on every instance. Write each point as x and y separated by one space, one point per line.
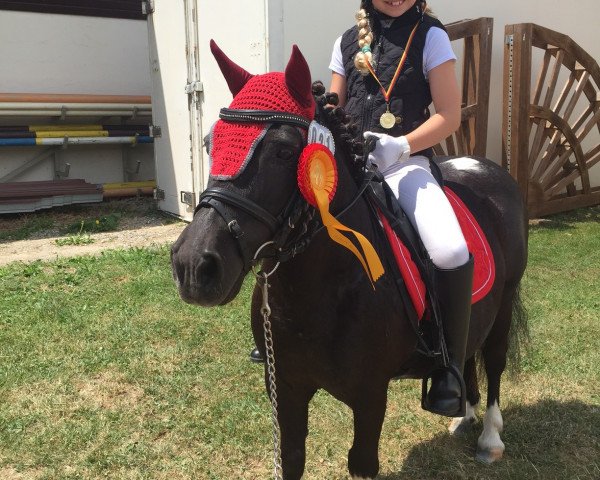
317 180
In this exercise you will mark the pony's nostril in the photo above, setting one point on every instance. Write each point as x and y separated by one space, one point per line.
208 269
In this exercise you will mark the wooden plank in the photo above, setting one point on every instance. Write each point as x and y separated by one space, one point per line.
20 190
471 138
563 205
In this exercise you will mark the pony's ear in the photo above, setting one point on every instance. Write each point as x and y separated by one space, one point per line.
235 75
297 78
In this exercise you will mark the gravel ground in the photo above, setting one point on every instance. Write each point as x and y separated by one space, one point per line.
146 229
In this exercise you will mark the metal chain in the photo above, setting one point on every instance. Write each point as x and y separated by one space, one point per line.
265 310
262 278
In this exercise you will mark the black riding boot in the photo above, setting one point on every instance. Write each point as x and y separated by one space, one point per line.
255 356
453 289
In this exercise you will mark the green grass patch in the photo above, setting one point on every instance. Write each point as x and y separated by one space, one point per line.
85 218
101 223
106 373
25 228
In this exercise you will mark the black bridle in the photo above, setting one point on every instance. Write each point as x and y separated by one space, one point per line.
295 226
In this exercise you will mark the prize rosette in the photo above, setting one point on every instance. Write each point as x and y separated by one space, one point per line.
317 180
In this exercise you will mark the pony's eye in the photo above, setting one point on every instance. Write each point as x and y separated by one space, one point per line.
285 153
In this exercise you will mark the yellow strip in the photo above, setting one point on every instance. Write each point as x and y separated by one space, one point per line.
114 186
54 128
71 133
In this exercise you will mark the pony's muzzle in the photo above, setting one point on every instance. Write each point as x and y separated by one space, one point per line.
199 277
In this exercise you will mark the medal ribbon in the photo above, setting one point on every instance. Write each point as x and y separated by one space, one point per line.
387 93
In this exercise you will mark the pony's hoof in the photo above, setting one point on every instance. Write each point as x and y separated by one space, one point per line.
461 426
489 456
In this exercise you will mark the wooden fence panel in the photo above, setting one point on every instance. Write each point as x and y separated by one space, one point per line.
550 135
471 137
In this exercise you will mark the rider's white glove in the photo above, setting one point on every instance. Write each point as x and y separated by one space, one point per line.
388 150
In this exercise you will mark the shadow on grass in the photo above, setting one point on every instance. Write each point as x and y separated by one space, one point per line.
565 221
549 440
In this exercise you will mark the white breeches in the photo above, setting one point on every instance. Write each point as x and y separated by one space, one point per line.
429 211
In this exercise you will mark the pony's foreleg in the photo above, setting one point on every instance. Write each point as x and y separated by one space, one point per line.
292 413
461 425
369 412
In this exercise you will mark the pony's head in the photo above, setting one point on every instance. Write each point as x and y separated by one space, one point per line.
252 189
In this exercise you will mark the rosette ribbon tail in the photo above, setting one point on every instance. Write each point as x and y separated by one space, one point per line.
368 257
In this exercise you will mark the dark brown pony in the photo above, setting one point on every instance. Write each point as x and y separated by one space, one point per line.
331 330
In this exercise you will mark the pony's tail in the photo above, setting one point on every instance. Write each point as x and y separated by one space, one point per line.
519 339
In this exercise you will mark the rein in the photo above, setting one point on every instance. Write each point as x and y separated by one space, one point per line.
288 240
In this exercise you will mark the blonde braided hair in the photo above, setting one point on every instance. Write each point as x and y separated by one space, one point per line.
365 38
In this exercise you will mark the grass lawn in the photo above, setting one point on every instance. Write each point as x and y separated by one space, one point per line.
106 373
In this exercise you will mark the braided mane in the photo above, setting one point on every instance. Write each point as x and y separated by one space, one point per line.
342 126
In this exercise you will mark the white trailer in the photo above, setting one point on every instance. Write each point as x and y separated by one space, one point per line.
188 89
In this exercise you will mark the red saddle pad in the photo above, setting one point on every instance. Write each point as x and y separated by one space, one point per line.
485 269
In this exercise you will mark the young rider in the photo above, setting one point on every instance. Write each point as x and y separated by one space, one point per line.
387 70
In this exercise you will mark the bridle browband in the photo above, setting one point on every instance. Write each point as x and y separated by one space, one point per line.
288 240
263 116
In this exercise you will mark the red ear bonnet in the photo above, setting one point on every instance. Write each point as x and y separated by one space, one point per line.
232 144
297 79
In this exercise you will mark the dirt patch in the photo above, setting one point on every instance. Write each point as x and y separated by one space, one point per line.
9 473
47 248
140 225
110 392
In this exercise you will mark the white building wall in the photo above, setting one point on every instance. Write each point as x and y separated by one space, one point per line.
50 53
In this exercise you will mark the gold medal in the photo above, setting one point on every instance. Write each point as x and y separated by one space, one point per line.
387 120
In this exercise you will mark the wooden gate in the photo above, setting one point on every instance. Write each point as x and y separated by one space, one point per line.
550 132
471 137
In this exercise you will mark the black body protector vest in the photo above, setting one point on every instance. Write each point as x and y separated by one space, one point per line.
411 96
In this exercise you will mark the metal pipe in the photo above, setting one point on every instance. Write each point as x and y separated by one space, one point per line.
51 128
75 106
72 98
128 189
76 113
133 140
128 192
72 133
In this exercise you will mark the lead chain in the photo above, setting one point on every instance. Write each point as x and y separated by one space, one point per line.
270 354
